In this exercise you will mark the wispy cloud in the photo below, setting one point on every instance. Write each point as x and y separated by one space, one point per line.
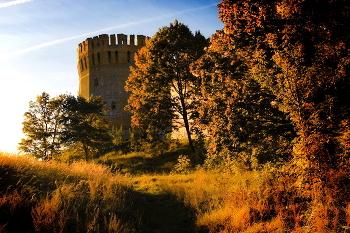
59 41
12 3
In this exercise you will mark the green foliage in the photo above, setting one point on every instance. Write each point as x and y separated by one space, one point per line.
52 125
240 117
183 165
86 124
119 139
43 127
161 84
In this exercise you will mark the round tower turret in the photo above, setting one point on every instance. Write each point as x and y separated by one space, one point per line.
103 67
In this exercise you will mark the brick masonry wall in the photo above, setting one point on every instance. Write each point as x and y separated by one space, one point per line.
103 67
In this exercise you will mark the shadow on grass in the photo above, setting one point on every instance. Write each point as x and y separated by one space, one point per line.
15 210
162 213
142 163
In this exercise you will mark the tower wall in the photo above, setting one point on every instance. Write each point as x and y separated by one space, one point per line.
103 67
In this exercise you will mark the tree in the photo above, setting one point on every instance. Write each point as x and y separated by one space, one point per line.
43 126
240 118
149 101
85 124
299 49
161 84
53 124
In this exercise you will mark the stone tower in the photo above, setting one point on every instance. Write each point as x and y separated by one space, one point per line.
104 66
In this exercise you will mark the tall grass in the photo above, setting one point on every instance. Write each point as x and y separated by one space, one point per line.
58 197
82 197
264 200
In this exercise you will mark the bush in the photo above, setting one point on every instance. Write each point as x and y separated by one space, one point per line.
183 165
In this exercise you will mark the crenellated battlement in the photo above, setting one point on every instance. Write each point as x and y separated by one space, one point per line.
105 49
104 41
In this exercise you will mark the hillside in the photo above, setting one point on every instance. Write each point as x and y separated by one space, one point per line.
87 197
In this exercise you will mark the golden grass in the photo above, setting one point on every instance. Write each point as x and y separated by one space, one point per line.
264 200
77 197
257 201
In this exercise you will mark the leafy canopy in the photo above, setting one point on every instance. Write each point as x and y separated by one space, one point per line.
162 86
299 49
240 118
52 125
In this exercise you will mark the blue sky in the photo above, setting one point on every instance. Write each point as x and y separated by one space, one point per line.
38 41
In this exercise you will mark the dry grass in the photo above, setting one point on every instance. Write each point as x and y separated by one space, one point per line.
82 197
258 201
79 197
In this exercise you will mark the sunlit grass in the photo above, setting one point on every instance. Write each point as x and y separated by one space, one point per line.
87 197
263 200
77 197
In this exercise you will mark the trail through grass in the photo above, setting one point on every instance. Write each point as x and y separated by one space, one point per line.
159 211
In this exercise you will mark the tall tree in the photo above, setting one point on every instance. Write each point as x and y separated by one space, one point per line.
43 126
161 84
85 124
240 118
149 100
299 49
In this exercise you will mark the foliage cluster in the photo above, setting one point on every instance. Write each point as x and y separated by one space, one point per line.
299 50
53 125
162 86
178 82
183 165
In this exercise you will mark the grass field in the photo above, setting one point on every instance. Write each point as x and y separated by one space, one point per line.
142 195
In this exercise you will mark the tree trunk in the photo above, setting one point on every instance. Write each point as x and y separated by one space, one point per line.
86 150
187 125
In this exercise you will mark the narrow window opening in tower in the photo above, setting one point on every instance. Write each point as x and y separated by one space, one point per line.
93 59
81 65
116 56
109 57
85 63
113 105
128 56
96 82
98 58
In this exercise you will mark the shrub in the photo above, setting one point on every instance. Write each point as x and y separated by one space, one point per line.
183 165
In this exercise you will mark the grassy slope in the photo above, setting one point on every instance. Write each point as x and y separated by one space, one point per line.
204 201
143 207
58 197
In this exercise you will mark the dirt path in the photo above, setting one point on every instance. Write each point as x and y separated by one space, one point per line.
161 213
